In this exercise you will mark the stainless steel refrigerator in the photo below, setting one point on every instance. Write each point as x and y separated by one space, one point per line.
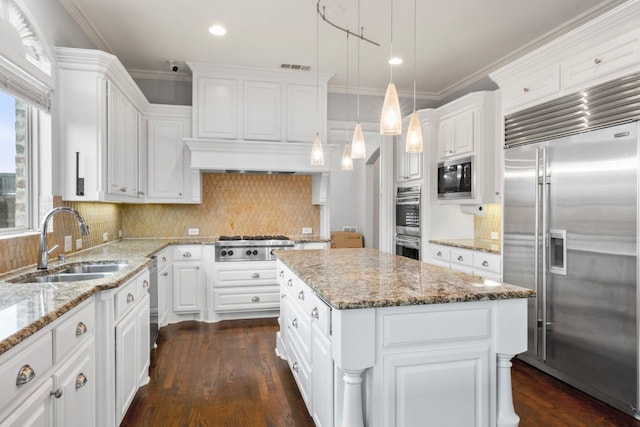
570 233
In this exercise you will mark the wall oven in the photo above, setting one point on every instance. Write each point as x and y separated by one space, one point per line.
408 246
408 221
455 179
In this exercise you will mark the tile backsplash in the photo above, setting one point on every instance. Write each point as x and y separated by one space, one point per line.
231 204
491 221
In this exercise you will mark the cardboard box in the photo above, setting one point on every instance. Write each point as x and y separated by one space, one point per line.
346 239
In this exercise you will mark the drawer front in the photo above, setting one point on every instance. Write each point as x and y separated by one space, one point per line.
75 331
187 253
247 299
488 262
321 314
301 373
542 85
245 275
31 365
299 330
126 298
440 253
287 279
163 259
142 283
464 258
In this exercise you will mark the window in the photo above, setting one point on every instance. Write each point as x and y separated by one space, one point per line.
15 206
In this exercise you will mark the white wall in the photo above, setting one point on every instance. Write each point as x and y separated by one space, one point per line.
173 92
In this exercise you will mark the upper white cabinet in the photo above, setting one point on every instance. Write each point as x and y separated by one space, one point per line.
170 179
241 103
100 132
603 49
457 134
409 166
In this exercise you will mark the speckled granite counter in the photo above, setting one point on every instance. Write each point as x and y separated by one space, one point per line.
489 246
365 278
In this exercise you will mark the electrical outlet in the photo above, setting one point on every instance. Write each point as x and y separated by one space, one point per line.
350 228
194 231
105 236
119 234
78 244
67 243
307 230
494 235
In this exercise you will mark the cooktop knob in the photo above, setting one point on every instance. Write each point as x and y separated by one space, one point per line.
230 253
248 252
255 252
223 252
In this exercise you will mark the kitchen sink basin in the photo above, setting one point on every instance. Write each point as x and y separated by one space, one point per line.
63 277
95 268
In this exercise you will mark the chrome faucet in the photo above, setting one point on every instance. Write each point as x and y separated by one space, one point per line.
43 252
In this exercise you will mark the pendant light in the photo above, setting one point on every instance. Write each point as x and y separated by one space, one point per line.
413 143
358 146
317 154
390 118
347 161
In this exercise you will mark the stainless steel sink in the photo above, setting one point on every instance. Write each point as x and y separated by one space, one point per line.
95 268
62 277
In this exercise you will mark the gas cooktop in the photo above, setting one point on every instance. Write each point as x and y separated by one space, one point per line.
250 248
265 237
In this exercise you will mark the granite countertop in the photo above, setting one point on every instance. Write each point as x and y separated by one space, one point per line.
489 246
367 278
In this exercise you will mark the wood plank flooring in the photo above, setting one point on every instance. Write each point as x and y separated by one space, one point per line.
227 374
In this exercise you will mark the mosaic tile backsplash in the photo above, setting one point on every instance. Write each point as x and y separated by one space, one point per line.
491 221
231 204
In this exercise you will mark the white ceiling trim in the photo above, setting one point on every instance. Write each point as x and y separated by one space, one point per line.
76 13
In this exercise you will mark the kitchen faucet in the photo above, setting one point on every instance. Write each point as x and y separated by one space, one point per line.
43 252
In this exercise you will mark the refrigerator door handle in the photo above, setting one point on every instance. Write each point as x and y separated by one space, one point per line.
536 255
545 245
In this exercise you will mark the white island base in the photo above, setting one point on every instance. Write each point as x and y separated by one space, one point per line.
406 366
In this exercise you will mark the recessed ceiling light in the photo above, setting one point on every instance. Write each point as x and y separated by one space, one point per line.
395 61
217 30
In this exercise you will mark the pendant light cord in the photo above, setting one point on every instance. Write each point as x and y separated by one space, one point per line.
391 44
317 72
415 58
347 91
361 33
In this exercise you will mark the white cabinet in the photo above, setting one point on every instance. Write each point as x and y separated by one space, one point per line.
164 286
457 134
35 411
100 132
170 179
188 279
77 381
257 104
246 286
485 264
408 165
321 376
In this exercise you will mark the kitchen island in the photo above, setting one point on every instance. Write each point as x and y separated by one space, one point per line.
381 340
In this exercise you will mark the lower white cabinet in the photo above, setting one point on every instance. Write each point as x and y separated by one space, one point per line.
77 381
164 287
189 279
245 287
321 377
35 411
480 263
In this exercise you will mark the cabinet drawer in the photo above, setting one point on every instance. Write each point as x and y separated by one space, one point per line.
541 84
321 314
187 253
74 331
31 364
299 330
287 279
488 262
126 298
301 373
440 253
163 259
247 299
142 283
245 275
461 257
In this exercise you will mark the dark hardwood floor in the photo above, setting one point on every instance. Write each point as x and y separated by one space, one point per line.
227 374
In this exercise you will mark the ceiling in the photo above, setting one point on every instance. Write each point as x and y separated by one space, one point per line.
458 41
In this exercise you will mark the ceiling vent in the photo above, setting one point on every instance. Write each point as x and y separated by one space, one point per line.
295 67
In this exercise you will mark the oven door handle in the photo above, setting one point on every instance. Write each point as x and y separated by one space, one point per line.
414 200
408 243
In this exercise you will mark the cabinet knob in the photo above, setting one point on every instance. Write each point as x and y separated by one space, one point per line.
301 295
25 374
81 329
290 283
283 295
497 193
165 274
281 273
525 90
164 259
485 263
180 194
597 61
140 193
255 276
57 393
81 380
439 254
123 189
145 284
255 299
460 258
315 313
130 298
187 254
295 366
294 323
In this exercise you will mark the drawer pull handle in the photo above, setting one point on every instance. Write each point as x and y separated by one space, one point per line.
525 90
81 380
165 274
145 284
164 259
255 276
81 329
130 298
439 253
57 393
25 375
281 273
301 295
460 258
295 366
255 299
123 189
290 283
597 61
315 313
485 264
187 254
294 323
283 295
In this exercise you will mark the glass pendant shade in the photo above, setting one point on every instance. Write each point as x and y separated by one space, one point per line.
347 161
358 146
317 155
414 135
390 119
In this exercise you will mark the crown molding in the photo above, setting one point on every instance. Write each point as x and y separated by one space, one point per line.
91 32
160 75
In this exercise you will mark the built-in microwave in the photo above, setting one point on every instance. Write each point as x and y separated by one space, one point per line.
455 179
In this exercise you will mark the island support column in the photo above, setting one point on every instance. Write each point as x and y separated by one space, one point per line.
353 352
512 339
